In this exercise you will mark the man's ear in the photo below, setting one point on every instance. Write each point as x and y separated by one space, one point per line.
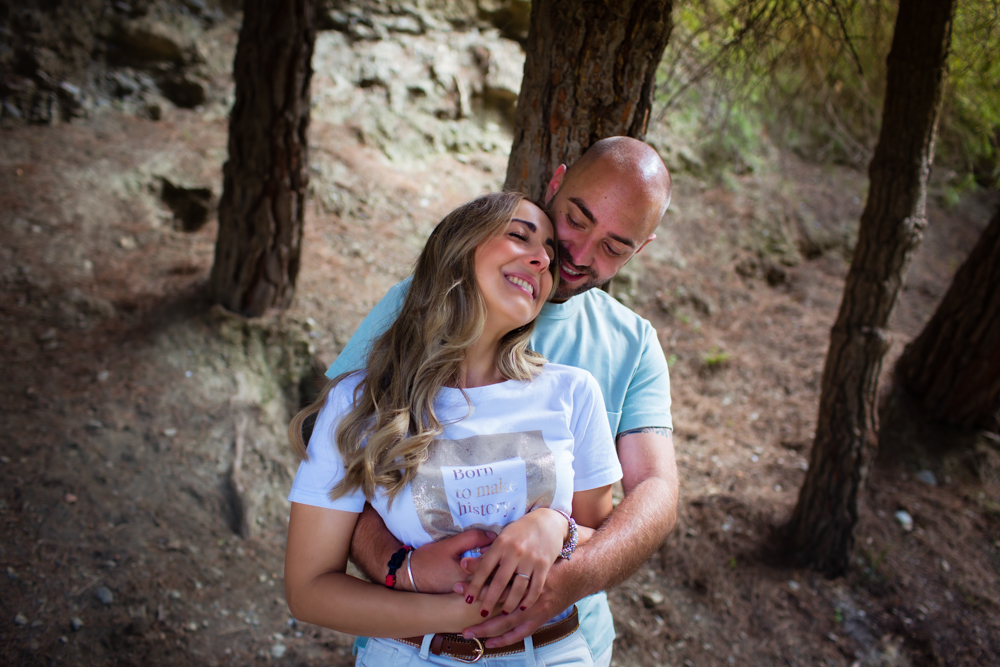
645 243
555 183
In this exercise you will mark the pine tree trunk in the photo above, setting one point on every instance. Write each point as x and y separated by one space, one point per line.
821 530
953 366
262 208
589 73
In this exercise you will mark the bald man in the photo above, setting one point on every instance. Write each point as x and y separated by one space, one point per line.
605 208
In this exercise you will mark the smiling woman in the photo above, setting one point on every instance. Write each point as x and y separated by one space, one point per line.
516 270
455 424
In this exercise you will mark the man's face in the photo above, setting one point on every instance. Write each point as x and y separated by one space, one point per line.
601 222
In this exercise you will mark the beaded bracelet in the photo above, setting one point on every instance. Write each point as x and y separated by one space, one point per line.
394 564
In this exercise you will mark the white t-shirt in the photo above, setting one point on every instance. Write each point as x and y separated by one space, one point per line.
520 445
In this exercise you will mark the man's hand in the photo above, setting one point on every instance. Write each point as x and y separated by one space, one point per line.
557 595
437 566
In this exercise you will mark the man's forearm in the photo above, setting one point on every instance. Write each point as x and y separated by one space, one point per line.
372 545
636 528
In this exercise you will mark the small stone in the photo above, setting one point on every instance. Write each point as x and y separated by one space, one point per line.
95 424
20 619
11 573
103 375
37 624
927 477
70 498
48 334
63 639
905 520
105 595
191 627
262 578
127 243
945 565
170 432
794 585
278 651
76 623
652 599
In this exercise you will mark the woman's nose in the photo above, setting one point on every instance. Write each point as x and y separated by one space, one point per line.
541 259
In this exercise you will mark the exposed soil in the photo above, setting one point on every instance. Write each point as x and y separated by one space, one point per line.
143 460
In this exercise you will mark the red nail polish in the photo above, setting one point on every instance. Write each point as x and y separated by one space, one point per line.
468 600
504 613
524 609
484 613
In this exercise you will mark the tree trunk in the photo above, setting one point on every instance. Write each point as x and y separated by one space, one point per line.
588 74
821 530
953 366
262 207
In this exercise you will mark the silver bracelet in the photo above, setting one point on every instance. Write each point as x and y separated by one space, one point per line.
409 571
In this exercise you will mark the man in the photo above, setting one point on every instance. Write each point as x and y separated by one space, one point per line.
605 209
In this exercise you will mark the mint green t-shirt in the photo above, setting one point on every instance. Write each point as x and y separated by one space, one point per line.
591 331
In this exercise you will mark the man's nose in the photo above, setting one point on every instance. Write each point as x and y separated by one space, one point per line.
582 252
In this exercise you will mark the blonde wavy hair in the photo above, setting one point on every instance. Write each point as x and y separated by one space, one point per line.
443 314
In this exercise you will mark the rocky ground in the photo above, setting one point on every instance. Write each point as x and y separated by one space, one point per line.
142 446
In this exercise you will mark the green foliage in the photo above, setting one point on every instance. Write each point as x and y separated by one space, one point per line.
971 133
716 357
740 76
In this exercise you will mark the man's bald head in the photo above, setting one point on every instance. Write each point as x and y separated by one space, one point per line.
605 208
632 162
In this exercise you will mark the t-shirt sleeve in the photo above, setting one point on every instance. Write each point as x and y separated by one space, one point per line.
595 460
355 354
647 399
324 468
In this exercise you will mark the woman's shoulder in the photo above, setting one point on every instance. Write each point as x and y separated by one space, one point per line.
342 392
568 375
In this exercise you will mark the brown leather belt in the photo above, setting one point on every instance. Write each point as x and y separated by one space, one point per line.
472 650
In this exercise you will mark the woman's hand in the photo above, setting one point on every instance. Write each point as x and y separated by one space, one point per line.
521 556
459 615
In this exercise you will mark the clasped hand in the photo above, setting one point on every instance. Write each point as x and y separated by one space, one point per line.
528 547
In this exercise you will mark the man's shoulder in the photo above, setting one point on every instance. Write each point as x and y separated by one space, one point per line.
610 309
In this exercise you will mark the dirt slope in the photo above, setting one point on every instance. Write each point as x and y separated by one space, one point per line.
143 459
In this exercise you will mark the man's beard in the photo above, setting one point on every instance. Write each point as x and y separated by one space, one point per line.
565 290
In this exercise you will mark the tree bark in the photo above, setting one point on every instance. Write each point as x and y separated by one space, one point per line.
953 367
821 529
589 73
262 208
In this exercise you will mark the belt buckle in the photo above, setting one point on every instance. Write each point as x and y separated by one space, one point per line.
480 652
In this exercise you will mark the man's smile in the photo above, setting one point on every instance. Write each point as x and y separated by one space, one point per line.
570 272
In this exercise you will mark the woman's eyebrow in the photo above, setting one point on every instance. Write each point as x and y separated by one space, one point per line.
532 226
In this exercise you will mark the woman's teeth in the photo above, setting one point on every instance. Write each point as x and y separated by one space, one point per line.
523 284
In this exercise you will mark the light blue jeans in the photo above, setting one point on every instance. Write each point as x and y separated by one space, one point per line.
571 650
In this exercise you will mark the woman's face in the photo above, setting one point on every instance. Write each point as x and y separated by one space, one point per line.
514 270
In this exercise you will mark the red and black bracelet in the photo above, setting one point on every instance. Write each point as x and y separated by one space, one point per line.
394 564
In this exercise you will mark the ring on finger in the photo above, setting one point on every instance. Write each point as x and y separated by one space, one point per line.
520 574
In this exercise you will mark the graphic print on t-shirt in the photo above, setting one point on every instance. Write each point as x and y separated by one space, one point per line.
488 493
484 481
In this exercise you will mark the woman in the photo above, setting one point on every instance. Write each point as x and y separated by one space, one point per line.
454 424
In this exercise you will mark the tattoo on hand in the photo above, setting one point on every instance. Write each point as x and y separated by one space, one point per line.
656 430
